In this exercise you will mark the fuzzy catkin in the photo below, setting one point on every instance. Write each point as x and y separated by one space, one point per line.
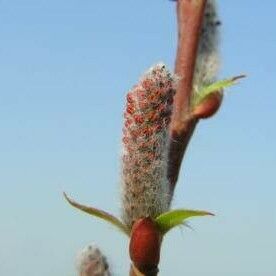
207 63
145 187
91 262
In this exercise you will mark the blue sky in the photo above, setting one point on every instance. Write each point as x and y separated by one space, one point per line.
65 68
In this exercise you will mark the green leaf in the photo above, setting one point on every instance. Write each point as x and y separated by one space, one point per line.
171 219
218 86
100 214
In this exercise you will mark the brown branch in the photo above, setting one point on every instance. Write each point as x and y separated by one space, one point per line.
135 272
190 17
179 141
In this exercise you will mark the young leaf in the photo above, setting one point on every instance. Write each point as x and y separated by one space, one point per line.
214 87
100 214
171 219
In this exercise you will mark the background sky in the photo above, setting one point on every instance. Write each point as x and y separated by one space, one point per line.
65 68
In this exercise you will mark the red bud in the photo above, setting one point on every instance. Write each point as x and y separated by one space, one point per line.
208 107
144 247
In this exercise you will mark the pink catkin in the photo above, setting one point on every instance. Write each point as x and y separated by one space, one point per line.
145 186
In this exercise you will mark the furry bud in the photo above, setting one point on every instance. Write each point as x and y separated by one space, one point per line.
207 63
145 188
91 262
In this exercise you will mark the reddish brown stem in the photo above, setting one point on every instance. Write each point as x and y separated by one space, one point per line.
189 17
178 144
135 272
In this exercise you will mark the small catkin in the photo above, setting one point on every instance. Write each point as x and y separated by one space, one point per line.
91 262
145 188
207 63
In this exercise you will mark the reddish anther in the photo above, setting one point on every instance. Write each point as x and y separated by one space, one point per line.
130 109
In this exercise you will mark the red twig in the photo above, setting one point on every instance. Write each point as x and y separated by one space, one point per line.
190 17
135 272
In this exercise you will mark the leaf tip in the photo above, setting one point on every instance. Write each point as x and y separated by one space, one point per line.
238 78
210 214
67 198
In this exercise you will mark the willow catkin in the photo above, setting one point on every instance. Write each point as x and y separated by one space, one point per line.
207 63
91 262
145 187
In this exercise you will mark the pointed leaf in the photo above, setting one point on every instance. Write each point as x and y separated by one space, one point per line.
100 214
171 219
214 87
